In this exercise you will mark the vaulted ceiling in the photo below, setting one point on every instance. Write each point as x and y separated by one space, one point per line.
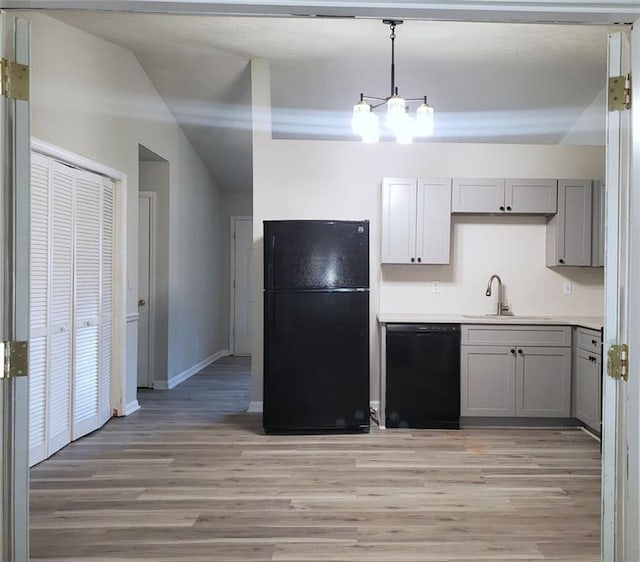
488 82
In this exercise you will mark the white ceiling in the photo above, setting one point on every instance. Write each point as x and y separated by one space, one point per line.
488 82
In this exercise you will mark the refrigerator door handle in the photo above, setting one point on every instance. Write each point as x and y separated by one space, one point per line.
272 273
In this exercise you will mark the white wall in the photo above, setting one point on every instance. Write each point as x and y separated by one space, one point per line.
590 127
342 180
93 98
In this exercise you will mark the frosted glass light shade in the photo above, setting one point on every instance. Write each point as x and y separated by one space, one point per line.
361 112
395 111
405 129
424 120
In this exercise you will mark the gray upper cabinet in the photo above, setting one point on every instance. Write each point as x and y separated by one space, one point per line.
569 240
472 195
531 196
416 220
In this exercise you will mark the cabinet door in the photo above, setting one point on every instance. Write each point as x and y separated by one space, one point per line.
487 384
478 195
543 382
587 382
531 196
433 220
597 227
399 220
569 231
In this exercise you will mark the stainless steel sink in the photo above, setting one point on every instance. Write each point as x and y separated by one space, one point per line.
510 317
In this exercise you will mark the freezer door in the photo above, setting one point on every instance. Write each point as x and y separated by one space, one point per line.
316 254
316 362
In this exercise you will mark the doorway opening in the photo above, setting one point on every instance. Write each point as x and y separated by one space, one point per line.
153 266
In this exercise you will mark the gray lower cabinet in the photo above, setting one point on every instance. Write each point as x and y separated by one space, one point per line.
521 378
588 378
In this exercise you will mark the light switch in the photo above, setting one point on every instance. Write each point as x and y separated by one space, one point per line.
435 287
567 288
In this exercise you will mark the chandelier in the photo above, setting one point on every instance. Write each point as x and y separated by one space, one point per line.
366 123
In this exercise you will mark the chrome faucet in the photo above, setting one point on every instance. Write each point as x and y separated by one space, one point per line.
500 306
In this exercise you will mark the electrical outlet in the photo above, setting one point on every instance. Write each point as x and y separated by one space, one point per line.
435 287
567 288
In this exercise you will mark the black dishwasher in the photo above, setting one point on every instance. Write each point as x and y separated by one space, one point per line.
423 376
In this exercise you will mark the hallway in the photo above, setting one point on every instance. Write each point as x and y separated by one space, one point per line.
192 478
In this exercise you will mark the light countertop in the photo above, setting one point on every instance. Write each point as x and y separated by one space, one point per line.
592 322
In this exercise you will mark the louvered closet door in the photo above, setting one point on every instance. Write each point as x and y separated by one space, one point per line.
39 299
86 376
61 302
106 306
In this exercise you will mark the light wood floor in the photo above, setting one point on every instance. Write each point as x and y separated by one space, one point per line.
192 478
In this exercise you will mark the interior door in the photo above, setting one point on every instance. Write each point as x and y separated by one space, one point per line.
614 424
145 300
14 301
242 285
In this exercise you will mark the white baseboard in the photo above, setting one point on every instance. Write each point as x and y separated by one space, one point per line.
131 407
188 373
255 407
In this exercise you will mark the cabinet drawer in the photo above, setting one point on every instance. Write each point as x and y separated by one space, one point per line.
589 340
549 336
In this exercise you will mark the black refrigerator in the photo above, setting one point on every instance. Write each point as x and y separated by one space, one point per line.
316 326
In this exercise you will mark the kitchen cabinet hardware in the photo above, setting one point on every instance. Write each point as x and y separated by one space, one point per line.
594 342
502 208
413 260
508 208
513 351
419 260
520 351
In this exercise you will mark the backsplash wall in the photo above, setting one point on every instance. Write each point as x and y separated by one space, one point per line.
511 246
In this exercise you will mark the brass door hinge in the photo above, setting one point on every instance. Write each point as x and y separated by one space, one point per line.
620 93
15 80
618 362
15 357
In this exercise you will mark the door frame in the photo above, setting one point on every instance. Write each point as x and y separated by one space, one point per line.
232 277
119 399
15 165
152 196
